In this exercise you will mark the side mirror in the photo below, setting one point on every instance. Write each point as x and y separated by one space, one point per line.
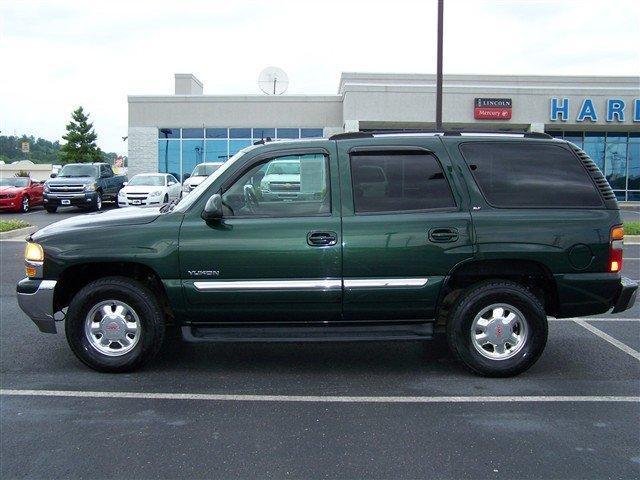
53 175
213 208
124 184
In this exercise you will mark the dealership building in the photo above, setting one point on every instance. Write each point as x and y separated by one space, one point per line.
173 133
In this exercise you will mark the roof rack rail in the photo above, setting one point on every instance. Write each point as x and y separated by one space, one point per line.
349 135
446 133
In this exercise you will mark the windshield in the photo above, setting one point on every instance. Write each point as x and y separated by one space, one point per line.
150 180
78 170
205 169
197 192
284 168
14 182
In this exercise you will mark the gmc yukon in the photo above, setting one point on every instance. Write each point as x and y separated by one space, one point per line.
391 237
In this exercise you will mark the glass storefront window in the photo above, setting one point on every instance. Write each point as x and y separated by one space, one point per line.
236 145
216 150
217 133
193 133
634 165
169 156
239 133
615 162
594 147
192 154
311 133
288 133
259 133
168 133
574 137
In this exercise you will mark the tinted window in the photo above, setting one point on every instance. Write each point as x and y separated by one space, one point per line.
288 133
311 133
192 132
264 133
288 186
529 175
216 133
239 133
400 181
168 133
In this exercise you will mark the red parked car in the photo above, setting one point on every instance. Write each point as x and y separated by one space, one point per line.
20 193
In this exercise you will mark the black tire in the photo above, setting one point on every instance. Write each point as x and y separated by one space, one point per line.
26 206
472 302
145 305
51 209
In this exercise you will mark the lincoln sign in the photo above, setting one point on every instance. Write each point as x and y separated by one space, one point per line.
492 109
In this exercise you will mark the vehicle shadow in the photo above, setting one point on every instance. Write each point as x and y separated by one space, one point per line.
330 357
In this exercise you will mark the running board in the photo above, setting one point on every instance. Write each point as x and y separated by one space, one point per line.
324 333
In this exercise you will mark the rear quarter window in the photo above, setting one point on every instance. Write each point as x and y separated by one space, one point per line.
529 175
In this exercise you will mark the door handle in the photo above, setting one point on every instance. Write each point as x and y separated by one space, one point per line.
322 239
442 235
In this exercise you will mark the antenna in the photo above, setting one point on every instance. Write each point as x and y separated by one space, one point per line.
273 81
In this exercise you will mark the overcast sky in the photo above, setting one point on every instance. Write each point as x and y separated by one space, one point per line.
56 55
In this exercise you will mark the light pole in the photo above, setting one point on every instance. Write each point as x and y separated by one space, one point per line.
166 132
439 69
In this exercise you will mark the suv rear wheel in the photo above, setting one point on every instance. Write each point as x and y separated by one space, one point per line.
115 324
497 328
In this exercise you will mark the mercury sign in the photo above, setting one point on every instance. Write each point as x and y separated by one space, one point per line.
615 110
492 109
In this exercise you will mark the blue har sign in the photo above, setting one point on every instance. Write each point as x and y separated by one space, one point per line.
615 110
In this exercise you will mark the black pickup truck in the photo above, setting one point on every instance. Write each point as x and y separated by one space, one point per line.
84 185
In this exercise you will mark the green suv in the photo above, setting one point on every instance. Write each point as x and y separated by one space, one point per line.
391 236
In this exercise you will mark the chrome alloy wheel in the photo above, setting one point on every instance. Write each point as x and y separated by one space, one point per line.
499 331
112 328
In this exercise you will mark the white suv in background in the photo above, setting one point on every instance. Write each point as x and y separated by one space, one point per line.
147 189
202 171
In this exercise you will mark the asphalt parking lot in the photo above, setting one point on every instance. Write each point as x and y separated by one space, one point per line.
345 410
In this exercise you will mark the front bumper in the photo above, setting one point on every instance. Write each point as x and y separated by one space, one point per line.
78 199
35 298
12 203
627 295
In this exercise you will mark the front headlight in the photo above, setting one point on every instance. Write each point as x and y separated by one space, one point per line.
91 187
157 193
186 188
33 257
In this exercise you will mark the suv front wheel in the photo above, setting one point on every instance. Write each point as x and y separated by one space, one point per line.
115 324
497 328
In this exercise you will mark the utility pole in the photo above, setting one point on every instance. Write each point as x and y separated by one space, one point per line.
439 69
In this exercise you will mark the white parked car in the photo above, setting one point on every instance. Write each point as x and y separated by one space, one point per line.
202 171
149 189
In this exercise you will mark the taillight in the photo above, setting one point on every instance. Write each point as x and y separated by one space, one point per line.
615 248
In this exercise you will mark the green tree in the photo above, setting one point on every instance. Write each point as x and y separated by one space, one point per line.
81 140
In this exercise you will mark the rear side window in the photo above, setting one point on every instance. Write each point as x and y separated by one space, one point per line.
529 175
398 182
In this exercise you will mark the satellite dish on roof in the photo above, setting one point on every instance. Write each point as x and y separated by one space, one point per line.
273 81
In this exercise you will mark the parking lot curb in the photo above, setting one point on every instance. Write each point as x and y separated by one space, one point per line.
18 233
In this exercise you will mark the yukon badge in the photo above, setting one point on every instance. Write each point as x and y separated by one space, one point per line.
204 273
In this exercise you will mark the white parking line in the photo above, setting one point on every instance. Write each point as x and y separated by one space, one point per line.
319 398
610 339
594 319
